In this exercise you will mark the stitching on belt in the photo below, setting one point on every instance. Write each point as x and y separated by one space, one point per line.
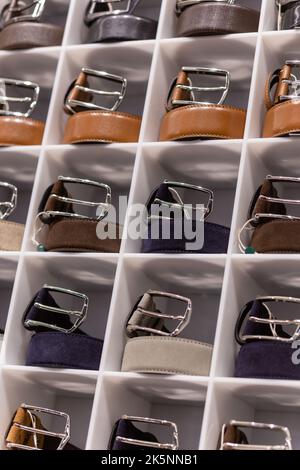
173 340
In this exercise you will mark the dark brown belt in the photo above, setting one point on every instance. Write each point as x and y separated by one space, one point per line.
90 122
205 18
187 118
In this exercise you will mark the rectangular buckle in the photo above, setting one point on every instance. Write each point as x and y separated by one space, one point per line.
15 11
80 315
98 8
155 445
6 100
183 4
196 89
248 425
8 206
183 320
65 436
180 204
72 104
293 83
280 5
281 179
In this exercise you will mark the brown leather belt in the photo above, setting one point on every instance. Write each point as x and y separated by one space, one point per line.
189 119
98 124
20 131
282 102
68 231
211 17
11 233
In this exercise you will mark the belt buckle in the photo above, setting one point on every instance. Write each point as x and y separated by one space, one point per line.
280 5
183 4
15 11
65 436
79 314
72 104
272 322
252 223
183 320
8 206
171 103
180 204
6 100
293 83
99 8
252 425
155 445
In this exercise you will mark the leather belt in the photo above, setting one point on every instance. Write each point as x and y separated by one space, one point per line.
69 231
21 28
266 349
189 119
200 18
107 24
26 431
215 237
288 14
11 233
151 348
99 123
57 342
16 126
273 229
282 102
126 436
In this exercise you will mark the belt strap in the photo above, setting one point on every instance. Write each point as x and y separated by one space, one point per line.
20 131
11 236
25 35
232 435
290 17
122 28
217 18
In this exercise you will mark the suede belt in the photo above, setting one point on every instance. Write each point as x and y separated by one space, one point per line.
11 235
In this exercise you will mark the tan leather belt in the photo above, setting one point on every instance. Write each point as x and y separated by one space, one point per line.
99 123
21 29
16 125
282 102
11 233
214 17
69 231
187 118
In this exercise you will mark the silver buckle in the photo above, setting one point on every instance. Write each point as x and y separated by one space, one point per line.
80 315
65 436
8 206
183 320
273 322
171 103
71 104
110 8
6 100
280 4
293 83
250 225
172 185
155 445
248 425
183 4
15 11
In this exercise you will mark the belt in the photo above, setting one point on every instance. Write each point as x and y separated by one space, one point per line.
162 234
57 342
63 229
200 18
288 14
282 102
189 119
21 28
26 431
232 438
266 349
16 126
151 348
272 229
126 436
11 233
98 123
107 22
1 338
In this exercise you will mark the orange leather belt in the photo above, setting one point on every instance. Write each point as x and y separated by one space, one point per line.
90 122
20 131
282 103
188 119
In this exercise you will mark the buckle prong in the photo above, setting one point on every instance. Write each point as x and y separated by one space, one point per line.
5 100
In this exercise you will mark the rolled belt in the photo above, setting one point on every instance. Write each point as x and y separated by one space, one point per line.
121 28
102 126
11 236
25 35
217 18
20 131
